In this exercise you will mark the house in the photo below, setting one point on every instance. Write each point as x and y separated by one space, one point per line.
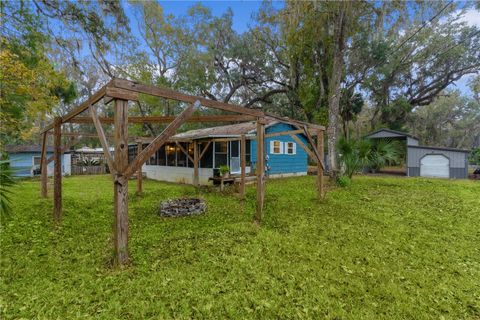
220 146
25 159
427 161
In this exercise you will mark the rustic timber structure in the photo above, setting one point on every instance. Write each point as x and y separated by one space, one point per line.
120 92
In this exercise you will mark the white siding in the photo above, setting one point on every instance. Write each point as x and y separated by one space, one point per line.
177 174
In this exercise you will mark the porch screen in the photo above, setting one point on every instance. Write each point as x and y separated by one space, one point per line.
207 159
221 150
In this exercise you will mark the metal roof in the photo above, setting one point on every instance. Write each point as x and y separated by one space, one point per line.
397 133
440 148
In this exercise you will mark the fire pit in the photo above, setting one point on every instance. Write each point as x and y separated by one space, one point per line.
182 207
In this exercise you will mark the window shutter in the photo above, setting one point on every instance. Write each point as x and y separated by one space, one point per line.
272 147
281 147
294 147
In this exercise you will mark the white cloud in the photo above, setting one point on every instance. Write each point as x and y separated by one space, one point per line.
471 17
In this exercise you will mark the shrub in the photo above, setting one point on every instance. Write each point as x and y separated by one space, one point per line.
343 181
6 182
358 154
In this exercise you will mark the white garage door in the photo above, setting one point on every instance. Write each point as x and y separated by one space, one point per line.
435 165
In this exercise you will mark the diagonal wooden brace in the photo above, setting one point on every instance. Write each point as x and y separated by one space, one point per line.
315 151
103 140
161 139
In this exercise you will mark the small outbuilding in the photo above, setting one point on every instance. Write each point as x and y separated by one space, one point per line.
426 161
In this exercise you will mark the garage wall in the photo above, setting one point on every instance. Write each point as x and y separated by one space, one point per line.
458 161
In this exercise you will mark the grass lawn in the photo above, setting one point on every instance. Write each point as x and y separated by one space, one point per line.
393 248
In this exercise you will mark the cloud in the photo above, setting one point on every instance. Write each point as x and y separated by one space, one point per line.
471 17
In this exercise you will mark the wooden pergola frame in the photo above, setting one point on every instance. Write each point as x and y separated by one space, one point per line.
120 91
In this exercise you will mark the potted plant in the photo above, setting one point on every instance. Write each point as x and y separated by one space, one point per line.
224 171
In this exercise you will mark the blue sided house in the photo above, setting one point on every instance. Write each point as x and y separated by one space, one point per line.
220 146
25 159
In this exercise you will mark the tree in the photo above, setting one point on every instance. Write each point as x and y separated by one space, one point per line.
451 120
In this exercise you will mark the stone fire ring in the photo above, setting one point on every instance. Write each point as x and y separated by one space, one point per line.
182 207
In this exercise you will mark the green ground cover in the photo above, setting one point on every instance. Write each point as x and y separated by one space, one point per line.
393 248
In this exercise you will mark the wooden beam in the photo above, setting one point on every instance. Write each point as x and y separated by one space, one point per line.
283 133
178 96
204 150
196 161
184 151
120 185
243 149
112 93
84 106
312 143
57 173
260 168
139 172
44 168
103 140
161 139
320 150
304 147
168 119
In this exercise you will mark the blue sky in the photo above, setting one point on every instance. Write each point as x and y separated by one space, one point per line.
242 10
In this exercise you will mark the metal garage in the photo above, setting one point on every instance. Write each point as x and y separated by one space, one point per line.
437 162
424 161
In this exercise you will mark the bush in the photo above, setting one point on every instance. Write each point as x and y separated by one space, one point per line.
358 154
6 182
343 181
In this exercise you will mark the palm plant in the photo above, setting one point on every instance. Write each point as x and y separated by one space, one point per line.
355 154
6 182
385 152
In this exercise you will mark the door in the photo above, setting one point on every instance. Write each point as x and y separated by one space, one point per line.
234 157
435 165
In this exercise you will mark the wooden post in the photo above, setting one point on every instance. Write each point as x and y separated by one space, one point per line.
320 150
243 149
120 185
57 172
260 169
195 164
139 172
44 168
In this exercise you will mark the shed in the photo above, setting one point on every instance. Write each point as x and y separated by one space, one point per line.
25 159
437 162
427 161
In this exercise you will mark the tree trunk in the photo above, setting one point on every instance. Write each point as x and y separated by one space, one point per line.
334 92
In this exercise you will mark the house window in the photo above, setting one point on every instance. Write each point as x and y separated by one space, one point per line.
290 148
276 147
36 160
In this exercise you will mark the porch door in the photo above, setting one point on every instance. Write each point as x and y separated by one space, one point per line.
234 157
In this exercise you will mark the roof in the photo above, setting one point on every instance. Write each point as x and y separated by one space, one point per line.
226 131
394 133
440 148
91 150
26 148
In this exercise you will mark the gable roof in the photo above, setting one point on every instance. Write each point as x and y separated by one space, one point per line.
389 133
26 148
